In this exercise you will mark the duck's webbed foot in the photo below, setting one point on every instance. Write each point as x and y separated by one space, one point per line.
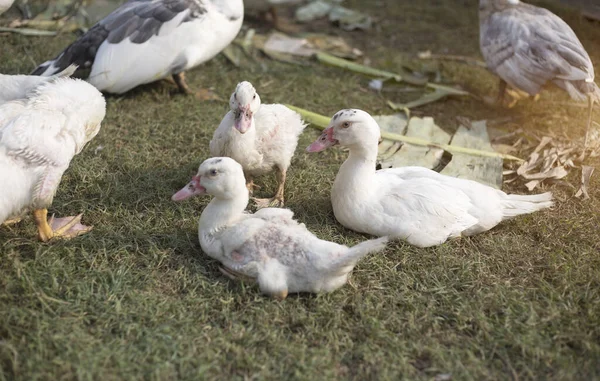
202 94
65 228
250 184
236 275
277 200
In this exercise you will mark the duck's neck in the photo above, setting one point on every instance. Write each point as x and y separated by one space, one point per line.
246 141
221 212
356 172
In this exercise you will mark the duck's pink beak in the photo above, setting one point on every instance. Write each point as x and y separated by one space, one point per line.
192 189
243 119
323 142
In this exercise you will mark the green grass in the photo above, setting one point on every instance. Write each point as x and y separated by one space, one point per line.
137 299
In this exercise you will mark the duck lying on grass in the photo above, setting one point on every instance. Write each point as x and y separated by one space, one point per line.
262 138
39 135
144 41
269 245
416 204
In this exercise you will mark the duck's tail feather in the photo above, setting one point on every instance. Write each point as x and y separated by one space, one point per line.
516 204
356 252
68 72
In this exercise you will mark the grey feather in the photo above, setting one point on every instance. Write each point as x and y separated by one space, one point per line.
528 47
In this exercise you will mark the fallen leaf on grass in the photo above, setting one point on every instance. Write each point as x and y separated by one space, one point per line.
349 19
586 174
440 91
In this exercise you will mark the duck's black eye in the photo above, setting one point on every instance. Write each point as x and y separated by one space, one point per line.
213 172
346 124
254 96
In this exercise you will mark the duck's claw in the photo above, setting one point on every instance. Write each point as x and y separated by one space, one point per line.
251 186
274 202
64 228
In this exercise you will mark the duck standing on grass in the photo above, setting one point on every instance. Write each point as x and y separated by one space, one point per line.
143 41
262 138
416 204
529 46
268 246
39 136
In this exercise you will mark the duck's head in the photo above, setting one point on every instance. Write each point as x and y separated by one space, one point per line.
244 102
221 177
348 128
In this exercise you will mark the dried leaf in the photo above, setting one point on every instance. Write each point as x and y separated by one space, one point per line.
349 19
586 174
397 154
425 99
280 43
486 170
313 11
28 31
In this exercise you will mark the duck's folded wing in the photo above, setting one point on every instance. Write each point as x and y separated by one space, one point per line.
36 138
529 49
280 215
427 206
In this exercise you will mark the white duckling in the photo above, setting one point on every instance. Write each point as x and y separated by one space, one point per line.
269 245
39 136
416 204
17 86
145 41
262 138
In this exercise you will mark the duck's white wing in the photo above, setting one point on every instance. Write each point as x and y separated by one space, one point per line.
277 215
424 207
219 143
528 46
277 125
38 137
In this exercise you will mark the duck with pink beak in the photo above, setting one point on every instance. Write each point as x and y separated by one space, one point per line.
268 247
261 138
415 204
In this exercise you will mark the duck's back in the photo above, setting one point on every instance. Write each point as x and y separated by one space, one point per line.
144 41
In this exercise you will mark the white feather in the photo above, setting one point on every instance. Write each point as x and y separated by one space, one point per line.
39 136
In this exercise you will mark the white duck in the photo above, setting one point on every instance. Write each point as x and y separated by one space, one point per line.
144 41
269 245
416 204
39 135
259 137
